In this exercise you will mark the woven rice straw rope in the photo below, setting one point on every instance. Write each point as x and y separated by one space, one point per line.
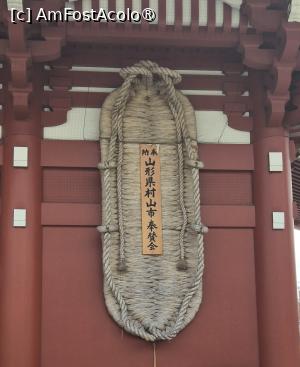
153 297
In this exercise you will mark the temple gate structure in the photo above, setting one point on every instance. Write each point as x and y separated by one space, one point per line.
240 65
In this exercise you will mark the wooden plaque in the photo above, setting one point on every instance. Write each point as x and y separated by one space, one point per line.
151 199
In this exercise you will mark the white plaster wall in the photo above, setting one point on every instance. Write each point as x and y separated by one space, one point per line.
187 92
295 11
16 4
212 127
234 3
83 124
103 69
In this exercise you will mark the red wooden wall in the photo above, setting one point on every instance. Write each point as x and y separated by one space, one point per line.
51 270
76 328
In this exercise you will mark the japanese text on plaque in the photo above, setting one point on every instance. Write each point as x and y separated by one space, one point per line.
151 200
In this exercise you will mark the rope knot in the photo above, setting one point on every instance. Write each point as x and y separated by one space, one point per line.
106 165
150 69
122 265
200 228
194 163
107 229
182 265
135 71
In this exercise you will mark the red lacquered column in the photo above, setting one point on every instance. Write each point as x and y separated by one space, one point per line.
21 249
279 340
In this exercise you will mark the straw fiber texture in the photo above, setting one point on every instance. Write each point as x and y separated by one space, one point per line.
153 297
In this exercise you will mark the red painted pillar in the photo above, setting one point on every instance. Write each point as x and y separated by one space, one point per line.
279 339
21 249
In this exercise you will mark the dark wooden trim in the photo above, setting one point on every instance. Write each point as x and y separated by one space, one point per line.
199 102
58 214
86 154
61 78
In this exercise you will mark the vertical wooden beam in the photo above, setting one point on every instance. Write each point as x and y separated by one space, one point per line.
144 24
128 5
21 248
195 15
95 5
274 249
162 11
78 6
227 18
112 5
178 15
211 15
